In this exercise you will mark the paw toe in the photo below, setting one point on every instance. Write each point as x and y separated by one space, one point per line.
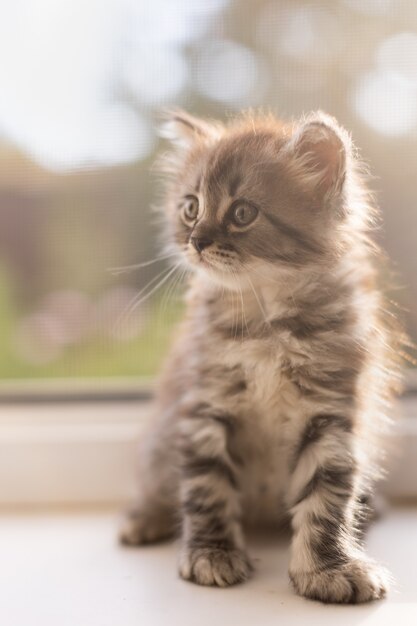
214 566
358 581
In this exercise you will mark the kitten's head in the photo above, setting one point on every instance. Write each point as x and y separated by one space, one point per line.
257 197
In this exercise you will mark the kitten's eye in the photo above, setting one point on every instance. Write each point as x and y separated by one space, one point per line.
190 208
244 214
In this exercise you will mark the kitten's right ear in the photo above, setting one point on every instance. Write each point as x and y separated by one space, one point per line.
184 130
321 150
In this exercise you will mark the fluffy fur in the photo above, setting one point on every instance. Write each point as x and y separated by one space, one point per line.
275 395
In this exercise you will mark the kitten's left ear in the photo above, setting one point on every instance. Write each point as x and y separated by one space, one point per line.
184 129
321 151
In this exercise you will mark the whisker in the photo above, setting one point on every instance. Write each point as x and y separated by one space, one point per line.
252 269
237 314
272 280
163 302
157 286
170 292
166 295
235 326
142 296
143 289
127 268
258 300
243 312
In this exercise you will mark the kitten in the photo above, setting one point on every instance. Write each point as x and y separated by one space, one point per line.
274 397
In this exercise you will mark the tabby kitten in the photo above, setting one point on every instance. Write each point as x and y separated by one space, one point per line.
273 400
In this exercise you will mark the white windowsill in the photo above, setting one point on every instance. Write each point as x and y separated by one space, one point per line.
66 569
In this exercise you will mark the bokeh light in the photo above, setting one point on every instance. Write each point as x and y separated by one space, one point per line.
305 32
156 74
230 73
398 55
386 97
372 7
386 104
69 60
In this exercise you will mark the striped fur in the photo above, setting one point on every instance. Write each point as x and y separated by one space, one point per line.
273 402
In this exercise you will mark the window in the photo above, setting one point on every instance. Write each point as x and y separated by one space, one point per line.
82 86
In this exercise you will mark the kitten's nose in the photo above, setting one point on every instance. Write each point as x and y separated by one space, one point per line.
200 243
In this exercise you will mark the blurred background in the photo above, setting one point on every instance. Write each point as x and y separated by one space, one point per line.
82 82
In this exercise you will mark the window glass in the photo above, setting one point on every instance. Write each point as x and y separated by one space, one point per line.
82 82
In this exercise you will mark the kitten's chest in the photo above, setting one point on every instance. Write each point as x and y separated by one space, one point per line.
272 405
269 426
271 394
270 421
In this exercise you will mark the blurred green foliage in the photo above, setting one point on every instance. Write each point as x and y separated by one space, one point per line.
96 357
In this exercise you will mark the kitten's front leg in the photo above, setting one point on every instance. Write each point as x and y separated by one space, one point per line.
212 551
327 561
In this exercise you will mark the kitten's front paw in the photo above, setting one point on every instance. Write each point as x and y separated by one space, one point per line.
358 581
215 566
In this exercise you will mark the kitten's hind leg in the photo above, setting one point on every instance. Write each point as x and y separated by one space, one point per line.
154 515
149 523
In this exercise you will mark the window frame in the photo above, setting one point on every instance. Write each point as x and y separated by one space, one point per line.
76 442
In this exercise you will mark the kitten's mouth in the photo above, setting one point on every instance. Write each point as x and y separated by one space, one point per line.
200 260
214 262
218 262
225 273
208 265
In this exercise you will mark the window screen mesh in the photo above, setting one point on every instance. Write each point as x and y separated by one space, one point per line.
82 82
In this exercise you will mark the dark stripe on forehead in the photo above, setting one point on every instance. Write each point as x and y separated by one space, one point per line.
218 175
294 234
197 186
234 184
230 157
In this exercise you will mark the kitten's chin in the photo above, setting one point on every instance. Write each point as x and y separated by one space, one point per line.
207 268
229 279
220 276
214 274
224 279
227 275
237 279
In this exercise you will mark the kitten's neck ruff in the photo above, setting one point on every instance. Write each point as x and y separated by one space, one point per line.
258 298
263 298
